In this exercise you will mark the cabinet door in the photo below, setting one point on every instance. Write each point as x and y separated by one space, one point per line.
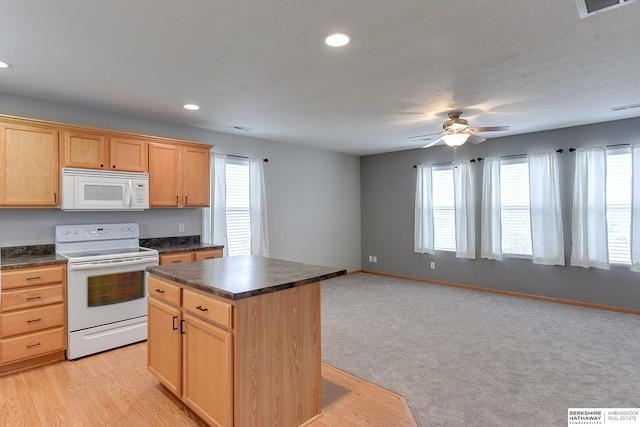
195 176
164 163
208 254
163 344
176 258
29 167
207 372
80 150
127 155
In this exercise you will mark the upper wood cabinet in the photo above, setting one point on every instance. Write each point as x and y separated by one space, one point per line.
95 151
83 150
127 155
178 176
29 174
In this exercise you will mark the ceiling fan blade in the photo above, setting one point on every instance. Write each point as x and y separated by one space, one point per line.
432 143
423 136
490 129
475 139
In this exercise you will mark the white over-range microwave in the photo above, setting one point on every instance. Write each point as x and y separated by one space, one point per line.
96 190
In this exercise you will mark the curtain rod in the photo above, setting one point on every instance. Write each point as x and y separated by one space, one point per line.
244 157
560 150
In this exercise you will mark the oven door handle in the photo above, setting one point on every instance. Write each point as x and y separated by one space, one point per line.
106 264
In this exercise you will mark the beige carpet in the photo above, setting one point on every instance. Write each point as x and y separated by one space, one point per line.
467 358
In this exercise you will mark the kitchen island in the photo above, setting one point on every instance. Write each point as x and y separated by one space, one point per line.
237 339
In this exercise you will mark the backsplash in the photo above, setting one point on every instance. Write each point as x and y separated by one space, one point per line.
16 251
169 241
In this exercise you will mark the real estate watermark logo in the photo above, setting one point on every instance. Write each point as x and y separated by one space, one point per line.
615 417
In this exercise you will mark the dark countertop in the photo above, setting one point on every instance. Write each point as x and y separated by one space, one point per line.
244 276
170 245
29 256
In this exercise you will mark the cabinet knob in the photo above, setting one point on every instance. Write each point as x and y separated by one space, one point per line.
114 166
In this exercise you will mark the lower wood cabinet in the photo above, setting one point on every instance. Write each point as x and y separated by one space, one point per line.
248 362
190 256
189 355
32 314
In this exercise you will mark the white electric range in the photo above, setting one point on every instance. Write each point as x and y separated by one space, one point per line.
106 285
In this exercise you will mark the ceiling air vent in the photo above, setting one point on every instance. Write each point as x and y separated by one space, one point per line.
625 107
591 7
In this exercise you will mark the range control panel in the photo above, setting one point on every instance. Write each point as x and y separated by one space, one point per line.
89 232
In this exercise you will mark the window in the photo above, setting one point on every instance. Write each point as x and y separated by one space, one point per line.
444 223
618 199
514 212
238 217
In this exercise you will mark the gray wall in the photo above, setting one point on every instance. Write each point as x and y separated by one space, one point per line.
388 185
313 196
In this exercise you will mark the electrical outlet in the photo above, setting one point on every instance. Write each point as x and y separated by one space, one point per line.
181 227
370 258
375 258
432 265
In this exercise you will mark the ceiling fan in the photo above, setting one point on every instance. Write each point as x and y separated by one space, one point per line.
457 132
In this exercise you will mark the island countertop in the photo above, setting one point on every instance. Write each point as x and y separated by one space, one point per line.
244 276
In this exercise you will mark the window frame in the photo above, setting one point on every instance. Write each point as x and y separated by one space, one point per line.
516 160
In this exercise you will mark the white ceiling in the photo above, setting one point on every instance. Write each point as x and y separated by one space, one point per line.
262 64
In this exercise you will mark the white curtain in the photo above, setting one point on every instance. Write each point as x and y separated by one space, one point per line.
589 247
635 208
465 207
258 209
490 216
423 227
547 240
214 226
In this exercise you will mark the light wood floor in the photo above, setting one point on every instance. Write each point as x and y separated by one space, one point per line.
115 389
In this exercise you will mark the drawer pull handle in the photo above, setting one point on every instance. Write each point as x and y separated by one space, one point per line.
33 298
34 321
175 328
160 291
33 278
30 346
176 261
201 308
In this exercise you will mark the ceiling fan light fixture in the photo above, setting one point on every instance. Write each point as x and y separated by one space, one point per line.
455 139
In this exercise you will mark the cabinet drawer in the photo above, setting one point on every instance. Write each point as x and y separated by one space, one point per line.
207 308
163 290
32 345
33 276
30 320
176 258
31 297
202 255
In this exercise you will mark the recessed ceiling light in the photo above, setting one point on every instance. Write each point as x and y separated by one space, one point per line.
337 39
192 107
4 64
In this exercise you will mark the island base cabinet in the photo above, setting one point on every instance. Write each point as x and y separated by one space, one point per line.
164 349
208 371
251 362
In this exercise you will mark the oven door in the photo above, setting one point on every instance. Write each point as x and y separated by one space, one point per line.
103 292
